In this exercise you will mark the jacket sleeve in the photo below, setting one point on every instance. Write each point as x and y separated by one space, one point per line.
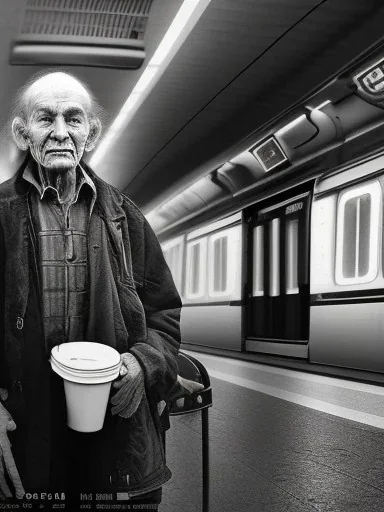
161 302
2 306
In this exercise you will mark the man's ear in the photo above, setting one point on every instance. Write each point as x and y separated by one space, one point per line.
19 133
94 134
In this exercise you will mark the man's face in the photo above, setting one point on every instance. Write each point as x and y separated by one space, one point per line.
58 126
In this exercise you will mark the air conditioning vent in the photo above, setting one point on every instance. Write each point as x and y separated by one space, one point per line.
82 32
117 19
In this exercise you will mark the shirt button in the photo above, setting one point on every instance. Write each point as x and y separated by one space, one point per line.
19 323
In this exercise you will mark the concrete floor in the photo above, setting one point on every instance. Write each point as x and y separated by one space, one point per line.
268 454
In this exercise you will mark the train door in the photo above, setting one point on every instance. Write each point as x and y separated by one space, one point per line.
277 318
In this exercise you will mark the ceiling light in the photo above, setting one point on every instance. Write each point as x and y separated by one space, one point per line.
185 19
174 31
127 107
145 79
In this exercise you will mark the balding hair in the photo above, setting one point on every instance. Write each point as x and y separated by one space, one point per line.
20 106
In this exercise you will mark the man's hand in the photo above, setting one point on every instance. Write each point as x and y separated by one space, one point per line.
7 463
182 388
130 387
190 386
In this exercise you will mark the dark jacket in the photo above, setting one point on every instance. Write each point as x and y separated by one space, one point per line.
134 307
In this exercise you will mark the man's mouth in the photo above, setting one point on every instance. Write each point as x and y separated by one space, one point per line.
60 151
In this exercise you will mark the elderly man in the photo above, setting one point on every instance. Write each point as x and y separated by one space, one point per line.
78 261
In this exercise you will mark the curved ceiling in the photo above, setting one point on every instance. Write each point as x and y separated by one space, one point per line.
242 65
269 82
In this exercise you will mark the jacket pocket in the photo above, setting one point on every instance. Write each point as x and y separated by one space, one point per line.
122 257
139 449
133 312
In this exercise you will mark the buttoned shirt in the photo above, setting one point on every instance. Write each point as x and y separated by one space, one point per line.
61 235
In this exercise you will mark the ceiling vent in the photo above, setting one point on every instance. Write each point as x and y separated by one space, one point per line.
106 33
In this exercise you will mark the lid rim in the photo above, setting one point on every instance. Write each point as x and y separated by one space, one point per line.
87 378
86 369
77 351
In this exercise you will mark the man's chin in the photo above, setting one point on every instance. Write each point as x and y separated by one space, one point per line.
60 164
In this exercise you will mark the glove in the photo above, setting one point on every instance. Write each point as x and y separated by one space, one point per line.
7 462
189 386
130 387
181 388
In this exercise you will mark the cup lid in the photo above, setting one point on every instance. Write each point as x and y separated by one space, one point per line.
89 378
87 370
85 355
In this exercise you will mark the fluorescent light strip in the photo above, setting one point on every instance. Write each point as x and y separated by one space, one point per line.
174 31
174 37
145 79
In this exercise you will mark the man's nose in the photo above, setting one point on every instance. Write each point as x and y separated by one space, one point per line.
60 131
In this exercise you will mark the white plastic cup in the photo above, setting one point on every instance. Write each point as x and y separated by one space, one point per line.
88 370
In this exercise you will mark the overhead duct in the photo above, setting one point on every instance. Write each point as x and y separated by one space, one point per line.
311 134
240 172
199 196
106 33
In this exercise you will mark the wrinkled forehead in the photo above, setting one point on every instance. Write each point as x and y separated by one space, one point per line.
56 92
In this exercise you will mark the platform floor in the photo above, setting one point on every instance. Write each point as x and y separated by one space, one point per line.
280 441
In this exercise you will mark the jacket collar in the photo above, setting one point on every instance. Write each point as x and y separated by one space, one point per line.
16 186
35 177
109 200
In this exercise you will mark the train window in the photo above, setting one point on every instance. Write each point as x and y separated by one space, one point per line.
196 256
222 262
274 257
195 265
291 256
357 241
173 254
258 261
220 254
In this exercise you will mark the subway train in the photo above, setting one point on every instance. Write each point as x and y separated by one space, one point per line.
279 250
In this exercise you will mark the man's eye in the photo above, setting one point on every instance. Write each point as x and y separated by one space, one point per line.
75 120
45 119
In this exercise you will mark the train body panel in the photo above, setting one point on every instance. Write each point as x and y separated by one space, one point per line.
348 335
212 326
347 278
288 349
